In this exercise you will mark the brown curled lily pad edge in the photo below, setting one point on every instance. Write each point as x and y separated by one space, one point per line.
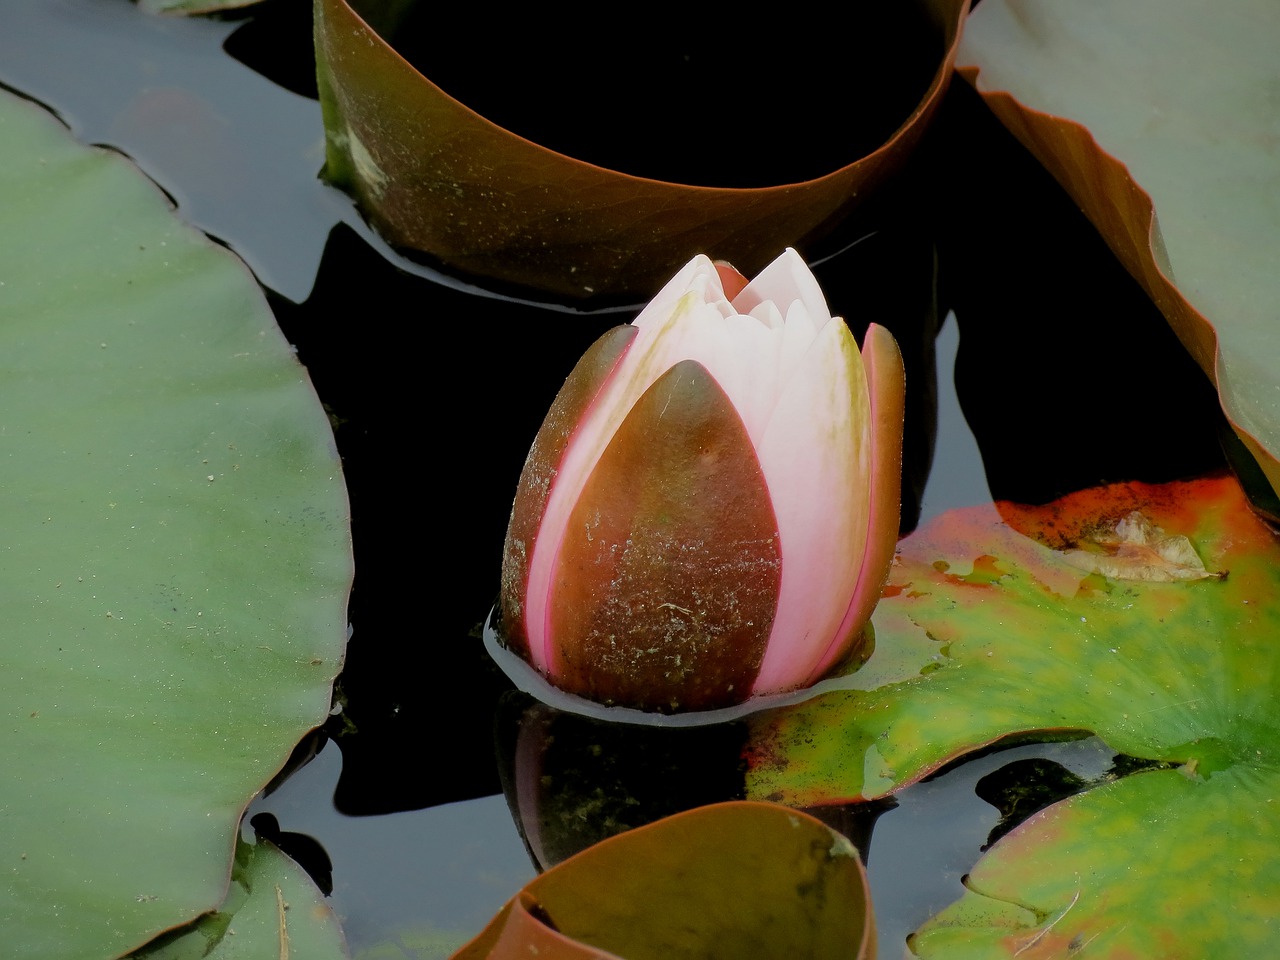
433 176
1169 143
733 879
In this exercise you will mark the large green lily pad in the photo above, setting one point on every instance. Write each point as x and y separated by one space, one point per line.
1044 621
1159 118
176 554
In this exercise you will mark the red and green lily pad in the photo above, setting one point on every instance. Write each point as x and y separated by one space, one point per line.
995 625
176 551
1158 117
725 881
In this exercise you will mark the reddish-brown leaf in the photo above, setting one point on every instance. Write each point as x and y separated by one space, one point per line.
728 880
434 176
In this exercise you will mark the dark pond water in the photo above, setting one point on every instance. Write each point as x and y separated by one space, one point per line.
1038 383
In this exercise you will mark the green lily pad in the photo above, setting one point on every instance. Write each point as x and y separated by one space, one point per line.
1010 631
273 910
727 880
1128 870
1170 141
176 550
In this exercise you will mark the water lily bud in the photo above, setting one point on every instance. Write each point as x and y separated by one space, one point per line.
711 506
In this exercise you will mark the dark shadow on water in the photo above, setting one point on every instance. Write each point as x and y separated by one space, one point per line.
1068 374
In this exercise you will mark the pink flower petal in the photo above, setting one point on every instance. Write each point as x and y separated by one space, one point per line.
815 455
886 383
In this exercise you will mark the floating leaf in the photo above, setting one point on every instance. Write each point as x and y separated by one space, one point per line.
176 550
1156 864
987 629
1025 643
435 176
728 880
1134 548
1158 118
273 910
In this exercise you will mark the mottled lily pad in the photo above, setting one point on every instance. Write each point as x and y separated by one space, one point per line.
1159 118
176 553
989 630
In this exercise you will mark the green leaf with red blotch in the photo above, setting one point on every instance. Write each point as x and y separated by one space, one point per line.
994 625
